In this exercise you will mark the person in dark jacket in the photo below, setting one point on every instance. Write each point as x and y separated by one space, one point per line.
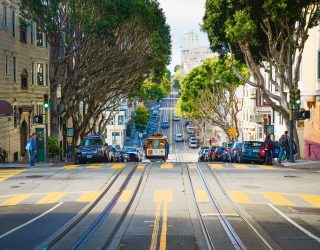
32 148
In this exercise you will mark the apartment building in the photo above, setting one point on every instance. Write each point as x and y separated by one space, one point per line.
23 81
310 89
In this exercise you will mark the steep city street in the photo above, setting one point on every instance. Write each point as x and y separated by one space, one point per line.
178 204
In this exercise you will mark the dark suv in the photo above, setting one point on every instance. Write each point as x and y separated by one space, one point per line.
93 149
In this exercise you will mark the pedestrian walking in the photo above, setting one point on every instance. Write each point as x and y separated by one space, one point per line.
32 148
269 147
284 145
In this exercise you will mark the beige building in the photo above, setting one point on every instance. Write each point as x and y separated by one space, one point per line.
23 80
310 91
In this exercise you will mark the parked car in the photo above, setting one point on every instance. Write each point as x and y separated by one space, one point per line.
252 151
227 152
131 154
176 118
178 138
203 148
165 124
193 144
234 151
218 154
190 129
204 155
93 149
211 153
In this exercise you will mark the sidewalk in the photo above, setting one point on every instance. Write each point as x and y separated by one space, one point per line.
37 165
301 164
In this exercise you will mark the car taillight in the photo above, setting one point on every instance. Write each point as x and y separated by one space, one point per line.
211 153
235 149
217 152
262 152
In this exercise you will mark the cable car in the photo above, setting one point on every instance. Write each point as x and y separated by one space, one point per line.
157 148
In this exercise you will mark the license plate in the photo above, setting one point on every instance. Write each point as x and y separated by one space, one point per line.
89 156
256 150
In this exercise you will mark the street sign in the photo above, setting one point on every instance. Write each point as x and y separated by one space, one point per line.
270 129
69 132
38 119
232 132
304 115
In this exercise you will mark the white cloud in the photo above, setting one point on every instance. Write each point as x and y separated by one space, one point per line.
183 16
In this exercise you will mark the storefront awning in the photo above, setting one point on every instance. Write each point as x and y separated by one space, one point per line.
5 108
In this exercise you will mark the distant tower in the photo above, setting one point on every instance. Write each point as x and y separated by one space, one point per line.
189 41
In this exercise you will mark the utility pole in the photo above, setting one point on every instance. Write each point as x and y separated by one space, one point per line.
291 105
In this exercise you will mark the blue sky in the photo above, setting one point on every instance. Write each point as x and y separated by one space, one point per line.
183 16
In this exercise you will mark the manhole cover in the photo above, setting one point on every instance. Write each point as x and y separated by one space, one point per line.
15 186
35 176
291 176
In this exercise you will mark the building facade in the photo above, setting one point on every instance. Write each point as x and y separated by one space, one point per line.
23 81
310 90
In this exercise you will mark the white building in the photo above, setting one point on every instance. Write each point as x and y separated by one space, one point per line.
192 53
116 129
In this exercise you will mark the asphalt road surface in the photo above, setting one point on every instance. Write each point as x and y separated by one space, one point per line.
181 204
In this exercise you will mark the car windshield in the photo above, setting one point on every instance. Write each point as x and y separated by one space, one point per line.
178 135
213 149
92 142
220 149
130 150
253 144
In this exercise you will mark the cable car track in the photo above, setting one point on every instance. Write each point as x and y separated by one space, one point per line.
105 213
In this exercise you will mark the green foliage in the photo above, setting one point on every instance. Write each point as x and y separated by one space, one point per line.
177 78
214 75
237 22
141 118
53 146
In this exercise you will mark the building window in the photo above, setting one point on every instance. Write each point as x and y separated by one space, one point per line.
32 73
23 31
5 16
6 61
120 120
39 37
32 32
40 74
318 64
13 23
24 79
47 75
14 63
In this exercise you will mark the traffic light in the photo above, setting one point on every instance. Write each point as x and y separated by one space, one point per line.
292 95
45 101
297 97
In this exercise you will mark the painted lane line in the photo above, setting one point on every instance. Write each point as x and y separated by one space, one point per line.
295 224
163 239
156 226
30 221
52 198
15 200
277 199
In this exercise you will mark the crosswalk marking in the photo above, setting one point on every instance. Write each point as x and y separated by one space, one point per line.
6 174
241 166
266 167
71 166
312 199
240 197
94 166
125 196
277 199
202 196
141 166
191 166
15 200
117 166
216 166
166 165
51 198
89 196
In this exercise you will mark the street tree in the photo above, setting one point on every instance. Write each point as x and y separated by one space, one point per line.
99 51
141 118
178 76
269 36
208 94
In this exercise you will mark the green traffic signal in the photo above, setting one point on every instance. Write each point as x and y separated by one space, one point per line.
298 102
46 105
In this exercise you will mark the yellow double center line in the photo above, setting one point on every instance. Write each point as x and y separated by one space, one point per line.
162 198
